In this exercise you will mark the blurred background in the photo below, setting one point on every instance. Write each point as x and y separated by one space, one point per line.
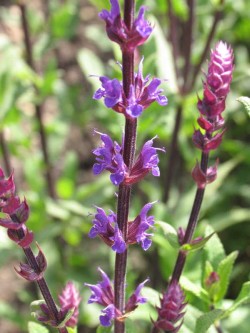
48 51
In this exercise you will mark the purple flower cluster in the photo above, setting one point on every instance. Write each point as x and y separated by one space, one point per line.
106 227
102 293
109 157
171 308
118 32
142 94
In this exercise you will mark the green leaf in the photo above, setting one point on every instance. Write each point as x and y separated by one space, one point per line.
102 329
224 270
206 320
36 328
72 330
194 289
170 233
213 250
197 245
243 297
245 101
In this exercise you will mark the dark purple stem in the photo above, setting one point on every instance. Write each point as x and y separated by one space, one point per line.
128 155
172 154
42 284
197 68
5 152
38 107
188 39
192 223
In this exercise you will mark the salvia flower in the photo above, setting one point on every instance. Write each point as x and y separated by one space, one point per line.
137 229
118 32
136 298
109 157
70 299
146 162
171 308
106 227
17 213
215 90
141 95
102 293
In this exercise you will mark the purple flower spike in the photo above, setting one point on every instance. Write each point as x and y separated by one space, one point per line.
70 299
109 157
136 298
137 229
170 310
118 32
102 293
147 161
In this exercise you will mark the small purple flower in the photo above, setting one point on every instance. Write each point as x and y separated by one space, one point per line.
170 310
136 298
137 229
70 299
147 161
108 314
102 293
109 157
111 91
142 94
118 32
106 227
7 188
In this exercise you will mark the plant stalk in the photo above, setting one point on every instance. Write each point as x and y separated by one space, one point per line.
192 223
38 106
5 152
128 156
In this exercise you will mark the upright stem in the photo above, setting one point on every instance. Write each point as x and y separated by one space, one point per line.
38 107
217 17
125 190
172 154
42 284
192 223
5 152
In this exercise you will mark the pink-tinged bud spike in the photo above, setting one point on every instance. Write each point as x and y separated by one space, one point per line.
70 299
201 178
170 311
29 273
25 241
7 188
17 213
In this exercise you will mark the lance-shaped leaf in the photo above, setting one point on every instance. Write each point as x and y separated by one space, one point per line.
170 233
197 245
207 320
245 101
